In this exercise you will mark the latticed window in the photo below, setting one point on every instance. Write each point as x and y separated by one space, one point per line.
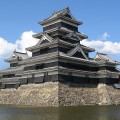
8 76
39 66
13 64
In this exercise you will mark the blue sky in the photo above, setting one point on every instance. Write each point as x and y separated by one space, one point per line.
19 20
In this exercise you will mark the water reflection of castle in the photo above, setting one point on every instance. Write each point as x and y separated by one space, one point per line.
59 56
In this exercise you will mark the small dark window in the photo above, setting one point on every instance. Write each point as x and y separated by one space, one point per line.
39 66
8 76
67 15
40 52
10 85
13 64
44 41
44 51
36 53
29 68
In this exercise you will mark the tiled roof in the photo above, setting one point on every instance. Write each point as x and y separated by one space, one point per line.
79 36
12 70
74 50
17 55
22 55
62 13
104 57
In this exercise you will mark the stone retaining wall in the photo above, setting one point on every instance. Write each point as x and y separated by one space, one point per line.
60 94
45 94
75 94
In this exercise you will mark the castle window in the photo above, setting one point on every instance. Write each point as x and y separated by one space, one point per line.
39 66
40 52
44 51
67 15
13 64
8 76
60 24
29 68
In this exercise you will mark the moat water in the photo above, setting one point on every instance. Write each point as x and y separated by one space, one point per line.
61 113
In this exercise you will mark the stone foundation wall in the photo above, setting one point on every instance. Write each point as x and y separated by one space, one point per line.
60 94
45 94
72 94
76 94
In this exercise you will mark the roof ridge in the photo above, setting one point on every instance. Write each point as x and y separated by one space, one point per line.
101 53
19 52
67 8
106 59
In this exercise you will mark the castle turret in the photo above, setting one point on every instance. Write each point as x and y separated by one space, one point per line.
11 75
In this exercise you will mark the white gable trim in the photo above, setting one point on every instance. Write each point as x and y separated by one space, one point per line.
45 36
68 12
74 50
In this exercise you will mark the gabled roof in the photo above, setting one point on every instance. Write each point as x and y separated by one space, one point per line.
62 13
76 36
44 38
65 30
105 58
58 41
16 56
74 50
86 48
21 55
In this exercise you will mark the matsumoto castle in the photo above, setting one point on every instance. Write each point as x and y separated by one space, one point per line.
59 56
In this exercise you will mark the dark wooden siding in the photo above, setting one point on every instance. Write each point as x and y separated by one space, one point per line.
23 81
50 50
79 55
77 66
8 76
109 80
112 69
29 68
70 40
78 79
41 66
10 86
44 51
60 24
62 64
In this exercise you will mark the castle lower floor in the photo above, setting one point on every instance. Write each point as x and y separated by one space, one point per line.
16 82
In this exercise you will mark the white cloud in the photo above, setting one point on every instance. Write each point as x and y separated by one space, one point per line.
6 47
107 46
26 40
105 36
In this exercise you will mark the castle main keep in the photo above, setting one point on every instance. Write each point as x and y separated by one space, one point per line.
59 56
60 71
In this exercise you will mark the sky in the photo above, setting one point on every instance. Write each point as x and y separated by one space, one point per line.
19 21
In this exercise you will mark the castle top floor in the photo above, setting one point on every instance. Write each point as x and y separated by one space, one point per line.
62 18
